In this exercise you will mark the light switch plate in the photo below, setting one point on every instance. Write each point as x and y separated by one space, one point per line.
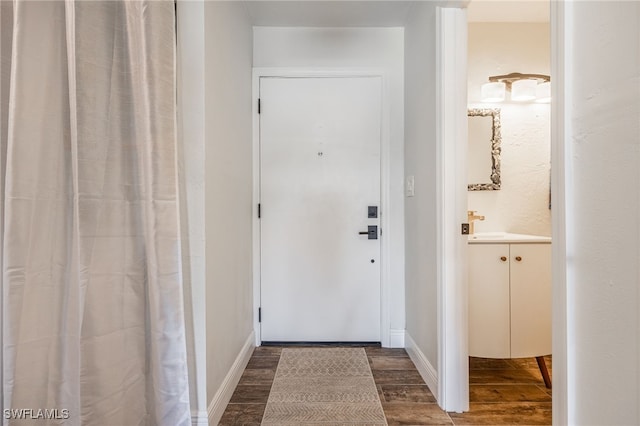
410 186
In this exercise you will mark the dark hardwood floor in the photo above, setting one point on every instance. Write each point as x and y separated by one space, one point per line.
502 392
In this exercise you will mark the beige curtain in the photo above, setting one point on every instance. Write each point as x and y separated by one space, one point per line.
92 305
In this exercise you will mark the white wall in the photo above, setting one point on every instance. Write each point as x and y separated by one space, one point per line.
522 204
228 201
420 162
602 55
377 48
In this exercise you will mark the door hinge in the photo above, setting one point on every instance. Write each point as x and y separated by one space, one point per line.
258 105
259 314
259 211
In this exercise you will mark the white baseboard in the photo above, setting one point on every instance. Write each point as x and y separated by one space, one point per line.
199 418
426 370
396 338
223 395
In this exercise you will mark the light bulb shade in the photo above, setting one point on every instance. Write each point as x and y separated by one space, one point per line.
493 91
543 92
523 90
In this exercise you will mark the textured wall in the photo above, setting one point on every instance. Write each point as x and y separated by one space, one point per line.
603 226
522 204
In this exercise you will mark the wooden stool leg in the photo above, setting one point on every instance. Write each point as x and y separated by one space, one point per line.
543 369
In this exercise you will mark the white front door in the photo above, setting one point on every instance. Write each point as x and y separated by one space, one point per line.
319 179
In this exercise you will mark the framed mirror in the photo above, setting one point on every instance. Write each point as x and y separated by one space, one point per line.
484 149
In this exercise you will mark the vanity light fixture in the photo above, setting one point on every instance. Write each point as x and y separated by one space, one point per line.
523 90
543 92
523 87
494 91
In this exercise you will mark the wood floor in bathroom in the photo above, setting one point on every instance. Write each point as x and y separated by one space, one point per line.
502 392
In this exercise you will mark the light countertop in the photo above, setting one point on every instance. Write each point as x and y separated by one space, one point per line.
506 238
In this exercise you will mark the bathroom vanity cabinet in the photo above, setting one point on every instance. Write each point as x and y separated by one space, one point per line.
509 297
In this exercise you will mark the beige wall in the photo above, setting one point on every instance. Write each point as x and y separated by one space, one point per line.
522 204
420 162
228 180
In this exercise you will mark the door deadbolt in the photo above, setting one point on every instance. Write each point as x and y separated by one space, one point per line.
371 232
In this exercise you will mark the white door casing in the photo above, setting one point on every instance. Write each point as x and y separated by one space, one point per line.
319 172
451 203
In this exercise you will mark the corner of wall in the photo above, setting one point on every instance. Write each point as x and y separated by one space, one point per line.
191 129
199 418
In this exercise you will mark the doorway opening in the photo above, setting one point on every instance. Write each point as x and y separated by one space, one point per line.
515 219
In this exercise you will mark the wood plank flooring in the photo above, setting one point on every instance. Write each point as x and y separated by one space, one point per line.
501 391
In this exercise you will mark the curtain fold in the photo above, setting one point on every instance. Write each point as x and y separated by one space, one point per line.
93 322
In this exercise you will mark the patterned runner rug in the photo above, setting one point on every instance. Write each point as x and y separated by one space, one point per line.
322 386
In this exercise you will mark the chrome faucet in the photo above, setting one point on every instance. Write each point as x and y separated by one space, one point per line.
471 216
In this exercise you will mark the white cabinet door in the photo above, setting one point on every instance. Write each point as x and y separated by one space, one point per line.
489 333
530 300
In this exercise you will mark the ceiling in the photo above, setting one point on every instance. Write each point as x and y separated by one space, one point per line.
383 13
508 11
329 13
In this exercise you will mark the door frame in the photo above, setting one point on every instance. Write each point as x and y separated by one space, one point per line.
385 144
561 24
453 313
451 204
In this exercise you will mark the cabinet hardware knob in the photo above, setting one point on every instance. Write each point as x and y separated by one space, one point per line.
503 258
518 258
